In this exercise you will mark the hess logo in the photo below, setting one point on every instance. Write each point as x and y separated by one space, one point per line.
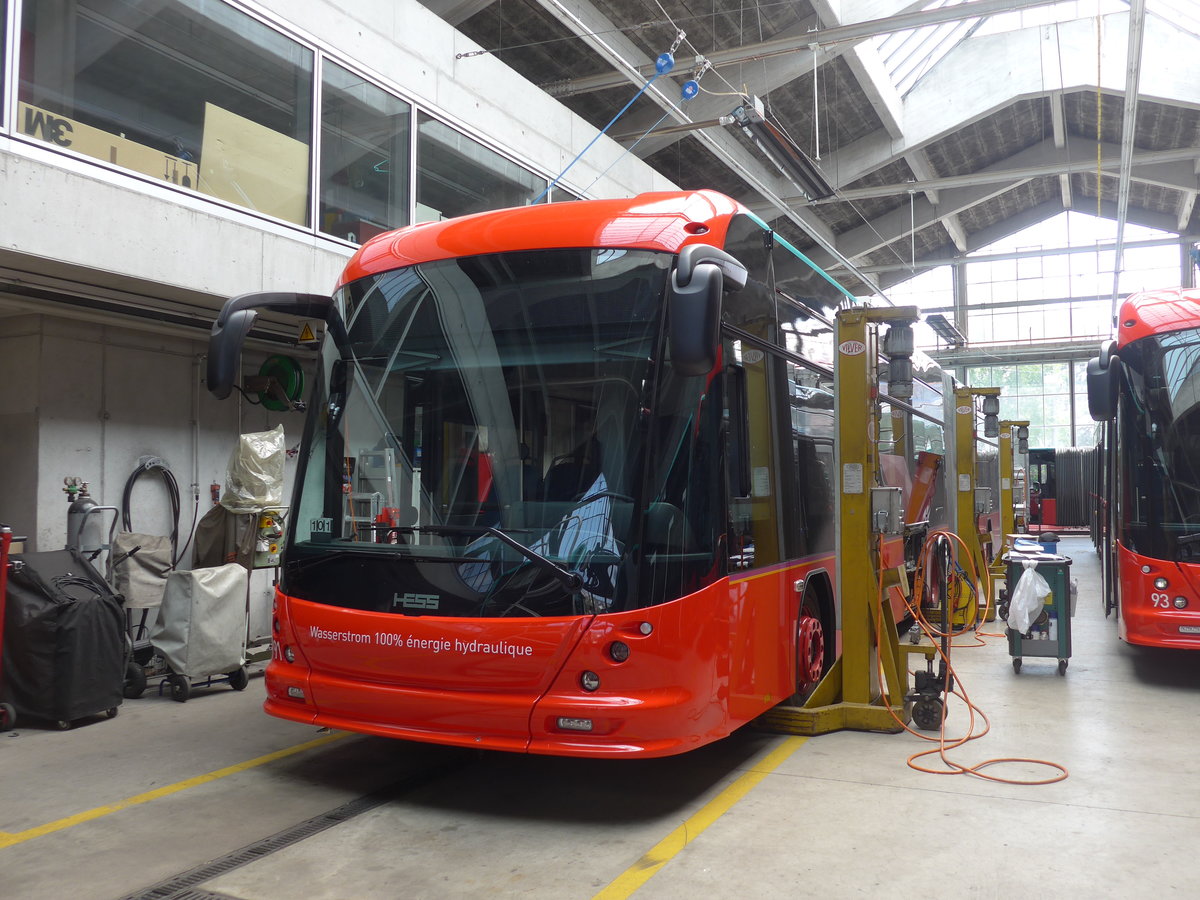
416 601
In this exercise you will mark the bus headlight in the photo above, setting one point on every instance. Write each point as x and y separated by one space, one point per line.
288 653
589 681
1180 602
1160 583
619 651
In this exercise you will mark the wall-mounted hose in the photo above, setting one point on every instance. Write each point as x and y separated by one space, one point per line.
155 464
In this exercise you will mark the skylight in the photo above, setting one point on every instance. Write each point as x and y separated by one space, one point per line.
910 54
1183 14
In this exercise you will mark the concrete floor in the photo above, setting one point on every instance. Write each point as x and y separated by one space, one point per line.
115 807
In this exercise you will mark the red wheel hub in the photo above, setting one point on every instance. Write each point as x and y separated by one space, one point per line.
810 649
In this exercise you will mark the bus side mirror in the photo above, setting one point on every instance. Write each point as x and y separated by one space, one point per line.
701 276
1103 377
237 318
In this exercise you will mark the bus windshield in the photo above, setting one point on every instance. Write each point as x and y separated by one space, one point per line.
481 444
1160 444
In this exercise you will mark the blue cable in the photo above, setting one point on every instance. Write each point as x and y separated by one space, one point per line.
662 65
689 90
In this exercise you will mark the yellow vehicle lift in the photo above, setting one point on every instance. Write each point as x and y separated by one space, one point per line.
963 611
850 696
1009 429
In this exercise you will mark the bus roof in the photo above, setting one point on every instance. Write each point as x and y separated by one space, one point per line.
659 221
1154 312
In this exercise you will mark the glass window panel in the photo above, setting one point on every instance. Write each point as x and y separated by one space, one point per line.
924 337
1090 318
1056 409
1029 267
979 273
1004 270
1029 379
1056 287
979 328
932 289
1057 322
457 175
1008 407
979 293
1004 292
1032 323
1057 266
1082 416
364 157
1085 435
977 375
1029 289
1005 377
1079 370
1004 326
1030 408
1056 378
194 93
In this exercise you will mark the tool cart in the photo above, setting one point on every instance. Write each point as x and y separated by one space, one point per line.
1049 634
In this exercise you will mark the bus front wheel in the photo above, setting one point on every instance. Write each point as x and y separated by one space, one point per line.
811 652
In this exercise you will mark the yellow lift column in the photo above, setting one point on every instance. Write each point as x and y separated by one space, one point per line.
851 696
963 612
1008 519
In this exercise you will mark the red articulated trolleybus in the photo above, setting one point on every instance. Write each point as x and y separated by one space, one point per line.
566 485
1145 386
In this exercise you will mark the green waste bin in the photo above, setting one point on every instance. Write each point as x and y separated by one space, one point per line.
1050 634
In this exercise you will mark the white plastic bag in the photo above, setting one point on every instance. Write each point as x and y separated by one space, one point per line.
254 479
1028 598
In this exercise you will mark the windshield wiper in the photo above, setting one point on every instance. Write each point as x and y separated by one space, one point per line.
307 563
570 580
1187 539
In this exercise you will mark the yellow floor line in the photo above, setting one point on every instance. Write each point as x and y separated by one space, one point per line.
8 839
662 852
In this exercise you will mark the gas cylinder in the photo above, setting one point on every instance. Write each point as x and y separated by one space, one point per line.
84 531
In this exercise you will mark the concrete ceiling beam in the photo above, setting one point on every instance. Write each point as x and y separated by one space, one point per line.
1186 204
1171 169
919 163
455 12
781 46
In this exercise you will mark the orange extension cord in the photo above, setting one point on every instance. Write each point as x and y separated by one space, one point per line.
945 744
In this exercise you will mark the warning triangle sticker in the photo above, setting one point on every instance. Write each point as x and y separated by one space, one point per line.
306 335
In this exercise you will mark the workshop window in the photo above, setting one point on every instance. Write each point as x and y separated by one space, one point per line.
196 94
457 175
364 156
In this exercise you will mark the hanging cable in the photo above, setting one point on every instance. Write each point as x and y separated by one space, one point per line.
945 744
664 64
688 90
